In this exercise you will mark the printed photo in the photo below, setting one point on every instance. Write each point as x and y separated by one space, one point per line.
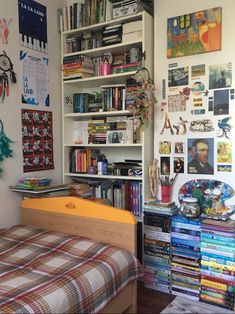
178 76
116 137
198 70
221 102
179 147
178 164
165 147
224 152
201 156
220 75
165 165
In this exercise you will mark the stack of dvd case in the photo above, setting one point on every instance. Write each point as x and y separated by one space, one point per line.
157 255
218 262
185 250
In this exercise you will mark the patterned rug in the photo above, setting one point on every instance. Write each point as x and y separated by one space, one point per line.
184 305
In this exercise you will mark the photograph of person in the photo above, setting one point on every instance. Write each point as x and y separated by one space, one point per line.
165 166
201 156
116 137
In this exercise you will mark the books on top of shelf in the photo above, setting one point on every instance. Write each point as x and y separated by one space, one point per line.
157 206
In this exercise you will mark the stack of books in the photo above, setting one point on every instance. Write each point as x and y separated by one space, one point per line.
78 66
218 262
132 31
157 252
155 206
128 168
185 249
112 34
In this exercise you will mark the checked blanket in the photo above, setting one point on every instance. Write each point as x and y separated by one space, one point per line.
48 272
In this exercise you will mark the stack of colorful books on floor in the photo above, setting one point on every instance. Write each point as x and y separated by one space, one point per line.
34 183
218 262
185 250
157 251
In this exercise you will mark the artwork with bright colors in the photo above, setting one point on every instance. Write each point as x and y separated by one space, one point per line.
194 33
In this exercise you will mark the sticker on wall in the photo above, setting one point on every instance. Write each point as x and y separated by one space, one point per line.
201 156
167 125
178 76
173 65
34 14
232 93
197 102
165 147
5 150
198 70
7 75
179 147
205 125
37 140
224 168
4 29
185 93
176 103
224 127
221 102
178 164
181 128
198 111
165 165
198 88
35 79
220 75
224 152
194 33
163 89
206 92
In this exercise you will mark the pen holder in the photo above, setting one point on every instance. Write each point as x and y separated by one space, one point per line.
166 193
105 69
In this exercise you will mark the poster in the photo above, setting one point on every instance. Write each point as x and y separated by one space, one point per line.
33 25
35 79
201 156
194 33
37 140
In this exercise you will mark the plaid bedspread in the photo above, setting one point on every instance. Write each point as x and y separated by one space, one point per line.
49 272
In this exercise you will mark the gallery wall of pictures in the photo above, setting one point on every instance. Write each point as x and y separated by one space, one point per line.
194 122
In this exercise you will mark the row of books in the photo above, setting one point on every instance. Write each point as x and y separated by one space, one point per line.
218 262
110 130
157 251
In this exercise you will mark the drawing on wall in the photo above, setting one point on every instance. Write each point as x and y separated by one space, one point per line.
205 125
35 79
220 76
4 29
224 127
178 76
179 147
201 156
165 147
34 14
194 33
221 102
198 70
165 165
224 152
37 140
178 164
6 74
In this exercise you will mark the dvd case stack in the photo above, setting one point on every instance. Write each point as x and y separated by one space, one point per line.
185 250
157 253
218 262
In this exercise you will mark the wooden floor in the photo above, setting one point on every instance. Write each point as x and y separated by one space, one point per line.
152 301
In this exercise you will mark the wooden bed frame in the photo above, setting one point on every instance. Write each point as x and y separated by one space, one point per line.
100 222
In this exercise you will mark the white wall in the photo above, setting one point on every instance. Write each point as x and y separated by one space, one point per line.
10 110
165 9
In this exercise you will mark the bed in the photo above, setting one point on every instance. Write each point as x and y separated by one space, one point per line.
69 255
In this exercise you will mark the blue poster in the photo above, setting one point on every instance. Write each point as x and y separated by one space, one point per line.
33 25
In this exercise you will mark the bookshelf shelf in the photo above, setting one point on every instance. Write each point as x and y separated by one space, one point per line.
135 144
96 176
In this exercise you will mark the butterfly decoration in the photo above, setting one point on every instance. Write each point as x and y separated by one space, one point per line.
6 73
5 150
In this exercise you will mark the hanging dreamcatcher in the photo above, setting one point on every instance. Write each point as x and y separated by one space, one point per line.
6 74
5 150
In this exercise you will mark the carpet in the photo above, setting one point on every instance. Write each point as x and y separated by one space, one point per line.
185 305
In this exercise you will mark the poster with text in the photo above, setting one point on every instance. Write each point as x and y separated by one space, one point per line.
33 25
35 79
37 140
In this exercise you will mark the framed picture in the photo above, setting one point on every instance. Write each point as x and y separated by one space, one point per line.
116 137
